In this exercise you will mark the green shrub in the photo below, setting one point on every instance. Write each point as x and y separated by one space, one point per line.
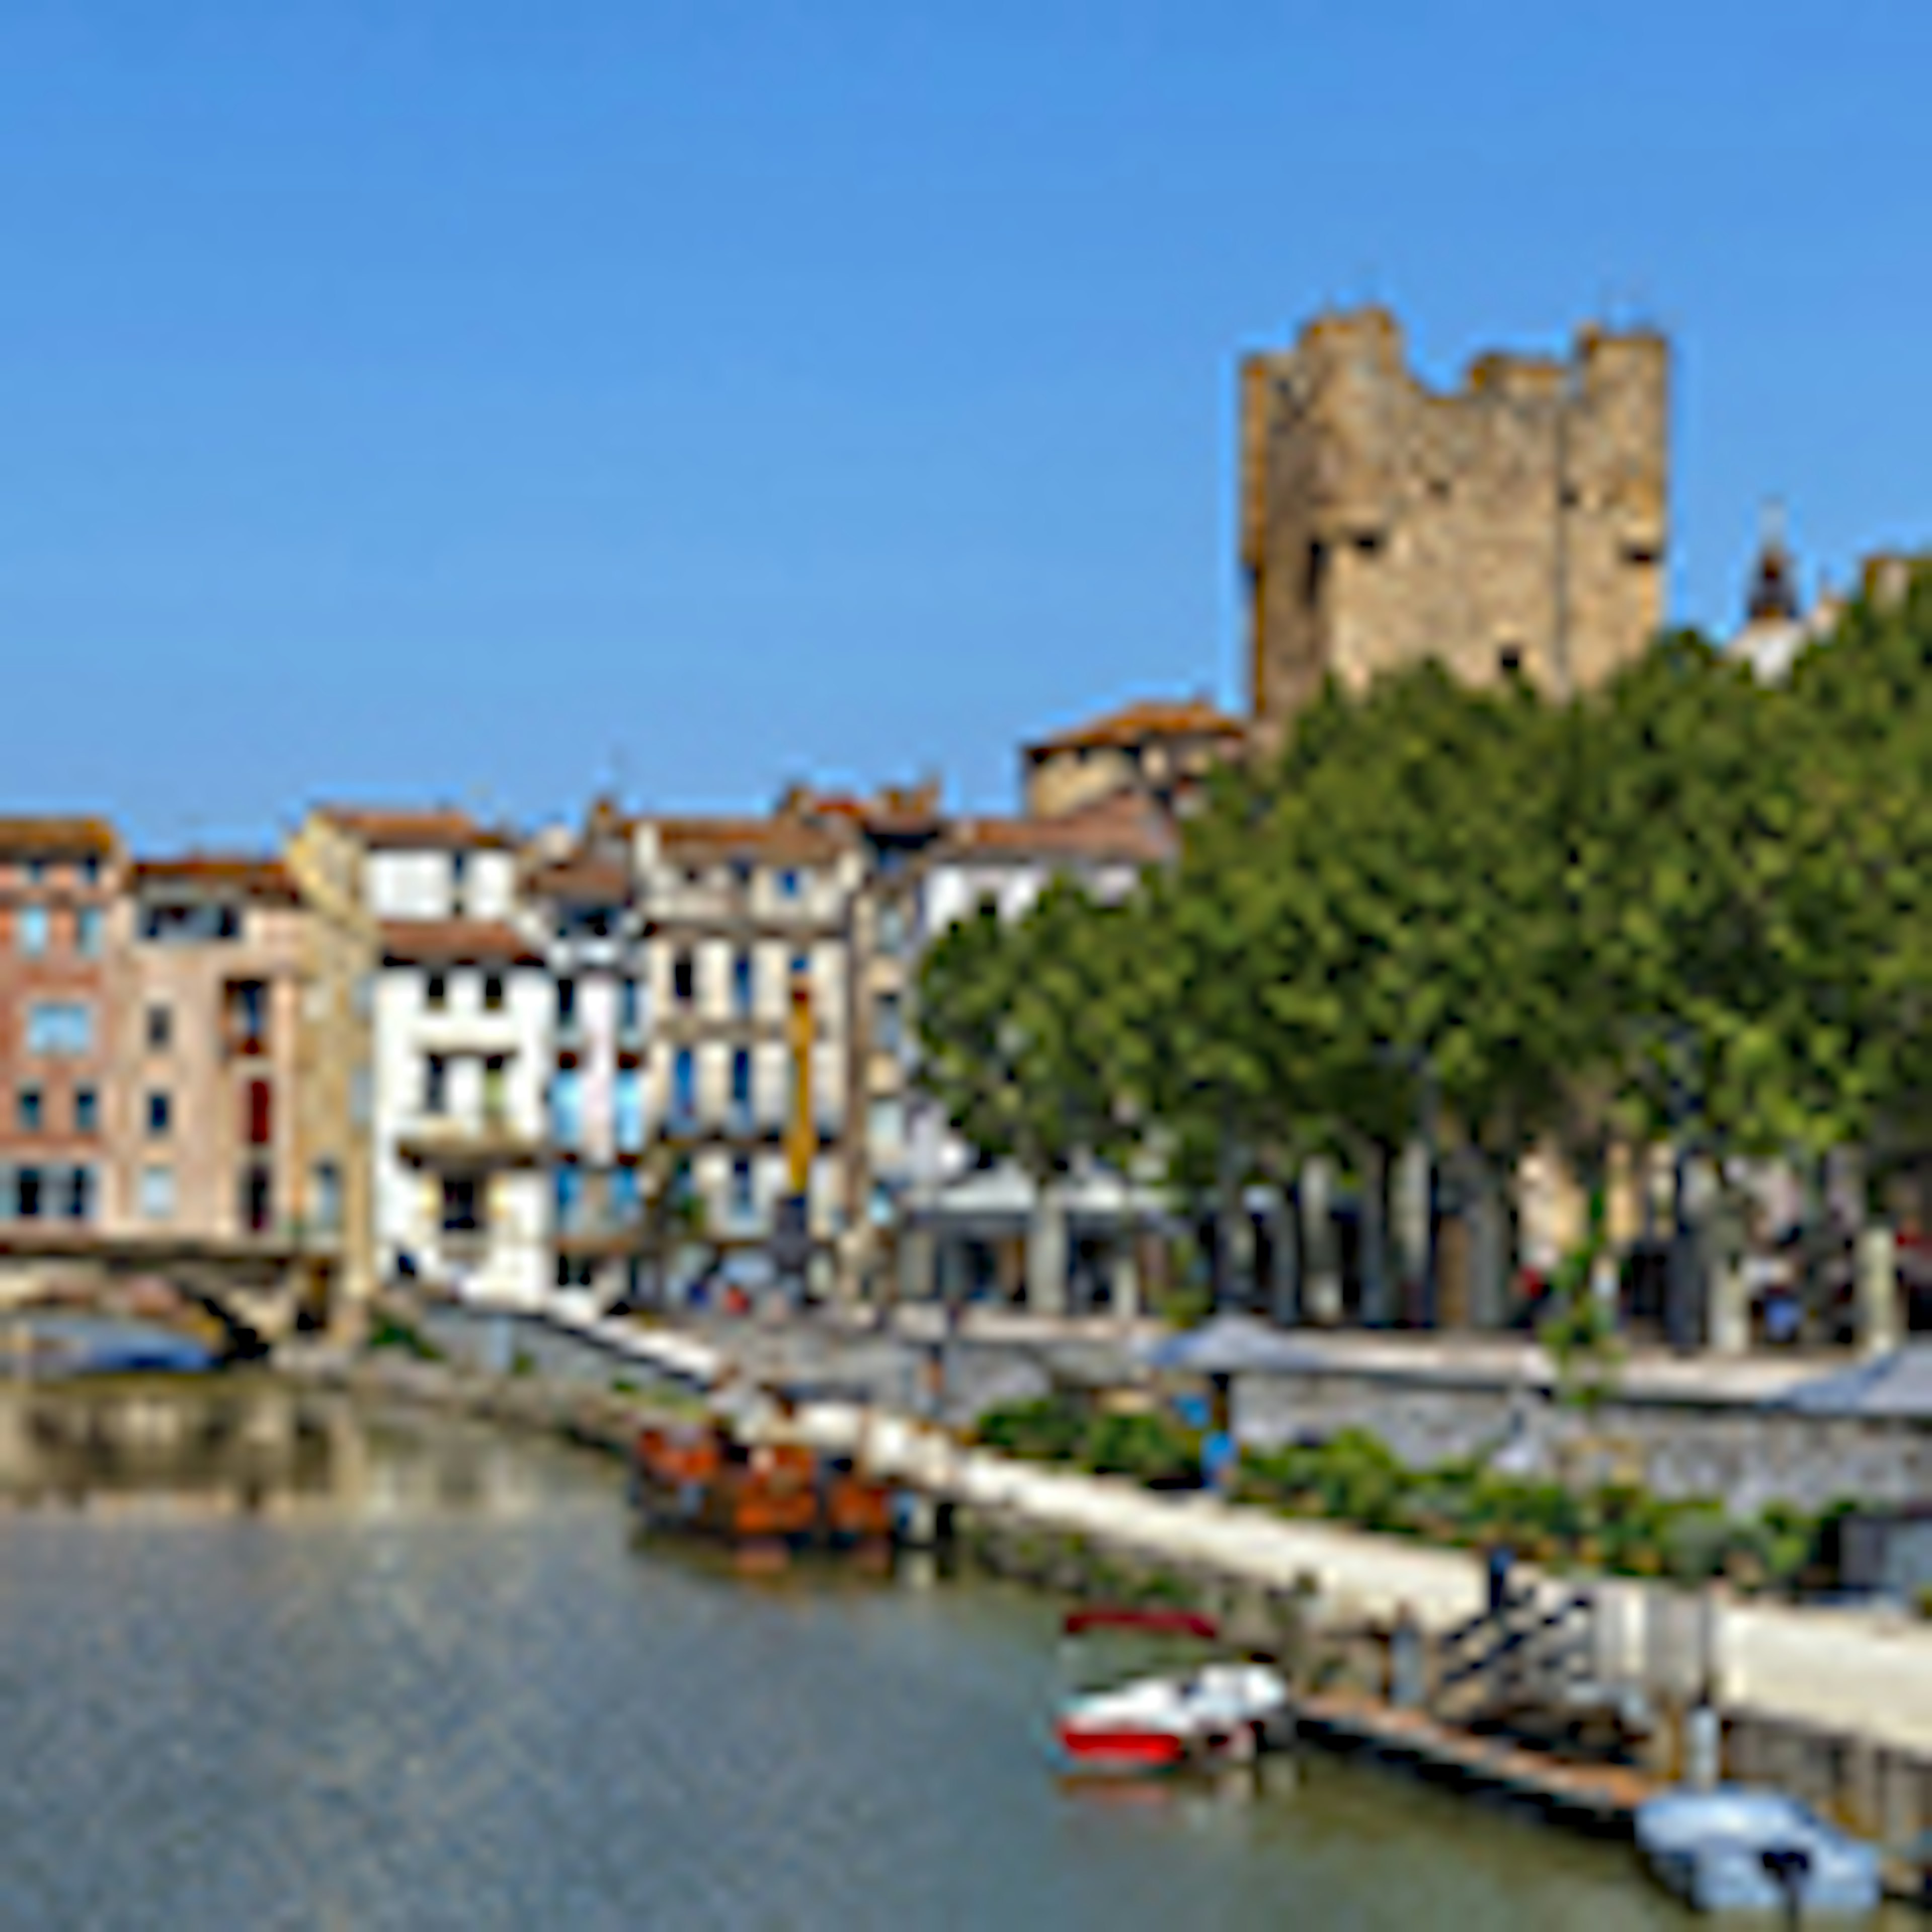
387 1331
1049 1428
1150 1448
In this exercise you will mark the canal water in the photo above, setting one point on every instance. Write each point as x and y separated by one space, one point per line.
269 1660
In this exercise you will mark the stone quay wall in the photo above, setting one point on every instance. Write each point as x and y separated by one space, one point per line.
1742 1454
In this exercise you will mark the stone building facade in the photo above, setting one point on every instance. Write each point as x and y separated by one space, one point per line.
60 887
1517 525
1162 749
205 1133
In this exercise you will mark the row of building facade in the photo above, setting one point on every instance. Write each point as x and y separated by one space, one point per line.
413 1045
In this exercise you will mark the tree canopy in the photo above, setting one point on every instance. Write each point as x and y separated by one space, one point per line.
1686 892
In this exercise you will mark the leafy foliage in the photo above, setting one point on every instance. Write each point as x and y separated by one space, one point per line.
1686 905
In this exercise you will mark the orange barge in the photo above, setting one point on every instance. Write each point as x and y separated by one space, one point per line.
762 1499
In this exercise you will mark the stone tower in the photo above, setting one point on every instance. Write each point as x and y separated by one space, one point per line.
1518 523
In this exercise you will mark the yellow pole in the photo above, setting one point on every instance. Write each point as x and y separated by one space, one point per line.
800 1136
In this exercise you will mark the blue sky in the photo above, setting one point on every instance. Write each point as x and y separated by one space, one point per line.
457 400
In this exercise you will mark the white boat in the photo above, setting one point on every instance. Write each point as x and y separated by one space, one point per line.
1220 1712
1740 1850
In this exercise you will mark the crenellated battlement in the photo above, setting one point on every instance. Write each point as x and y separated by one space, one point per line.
1518 522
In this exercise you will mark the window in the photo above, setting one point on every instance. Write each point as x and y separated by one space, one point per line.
624 1195
575 1271
80 1194
90 871
28 1110
684 979
493 992
257 1199
59 1027
741 983
888 1124
325 1197
87 932
1509 660
459 877
436 1084
245 1016
30 930
892 928
258 1115
788 884
161 1029
740 1199
566 1107
801 966
888 1032
362 1105
86 1111
741 1087
496 1090
1315 574
630 1006
683 1088
27 1193
158 1193
566 1006
436 992
461 1208
196 923
160 1116
628 1106
568 1189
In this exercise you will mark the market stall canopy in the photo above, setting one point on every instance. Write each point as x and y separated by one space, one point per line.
1001 1200
1899 1384
1231 1345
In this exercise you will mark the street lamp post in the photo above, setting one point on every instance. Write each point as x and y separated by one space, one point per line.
1431 1310
1680 1286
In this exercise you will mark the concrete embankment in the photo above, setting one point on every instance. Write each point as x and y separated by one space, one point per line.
1835 1705
1865 1672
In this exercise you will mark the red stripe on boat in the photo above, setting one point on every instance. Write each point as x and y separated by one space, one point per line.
1134 1749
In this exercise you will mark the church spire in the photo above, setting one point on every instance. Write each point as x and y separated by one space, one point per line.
1773 595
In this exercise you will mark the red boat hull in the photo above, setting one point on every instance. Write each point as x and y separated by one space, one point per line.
1121 1750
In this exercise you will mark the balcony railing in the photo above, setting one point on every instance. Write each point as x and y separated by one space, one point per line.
442 1140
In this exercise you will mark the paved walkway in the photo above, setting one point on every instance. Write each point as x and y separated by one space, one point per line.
1860 1671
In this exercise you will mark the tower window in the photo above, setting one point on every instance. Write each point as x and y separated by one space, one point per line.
1315 573
1509 660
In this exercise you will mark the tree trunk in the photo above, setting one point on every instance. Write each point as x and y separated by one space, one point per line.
1320 1282
1291 1256
1046 1251
1378 1310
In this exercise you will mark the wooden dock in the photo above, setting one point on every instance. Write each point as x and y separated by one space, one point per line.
1603 1797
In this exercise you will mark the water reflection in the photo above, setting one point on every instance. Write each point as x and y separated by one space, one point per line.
427 1677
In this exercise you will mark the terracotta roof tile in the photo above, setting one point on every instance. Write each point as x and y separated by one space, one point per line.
1123 827
440 829
768 841
453 942
265 881
583 880
1134 724
56 838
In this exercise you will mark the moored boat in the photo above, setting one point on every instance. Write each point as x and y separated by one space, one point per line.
1735 1849
770 1497
1223 1711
